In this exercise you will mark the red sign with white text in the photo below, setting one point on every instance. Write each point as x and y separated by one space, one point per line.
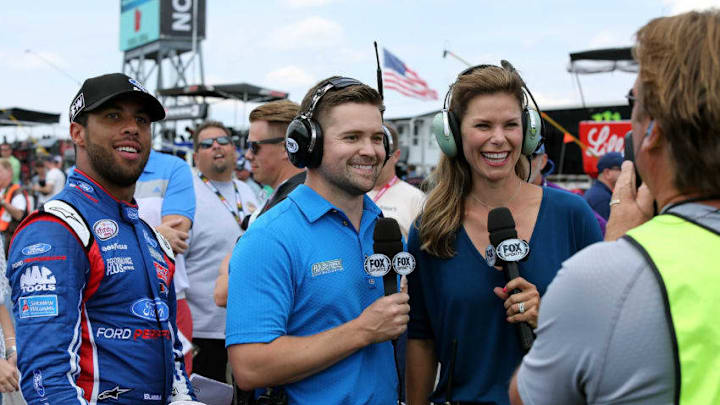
601 137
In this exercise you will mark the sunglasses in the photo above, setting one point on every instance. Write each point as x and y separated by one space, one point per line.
254 146
208 143
631 99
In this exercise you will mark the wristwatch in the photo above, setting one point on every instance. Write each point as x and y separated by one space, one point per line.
10 351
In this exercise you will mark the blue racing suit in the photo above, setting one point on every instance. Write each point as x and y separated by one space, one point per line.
94 303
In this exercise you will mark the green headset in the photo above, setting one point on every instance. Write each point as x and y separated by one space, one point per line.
446 124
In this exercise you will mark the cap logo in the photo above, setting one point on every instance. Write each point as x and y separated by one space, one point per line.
137 84
77 105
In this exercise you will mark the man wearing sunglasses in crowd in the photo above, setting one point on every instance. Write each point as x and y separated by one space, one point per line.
222 203
270 166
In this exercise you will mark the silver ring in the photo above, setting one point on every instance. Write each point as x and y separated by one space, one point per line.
521 307
614 202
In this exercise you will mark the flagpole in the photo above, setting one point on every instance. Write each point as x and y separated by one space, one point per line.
447 52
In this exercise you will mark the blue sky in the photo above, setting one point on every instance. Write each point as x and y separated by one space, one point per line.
291 44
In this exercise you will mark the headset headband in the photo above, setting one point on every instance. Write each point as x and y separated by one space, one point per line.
338 83
504 65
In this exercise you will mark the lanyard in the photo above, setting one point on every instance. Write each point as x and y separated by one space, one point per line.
223 199
385 188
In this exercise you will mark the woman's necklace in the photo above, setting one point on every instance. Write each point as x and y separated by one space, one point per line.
517 191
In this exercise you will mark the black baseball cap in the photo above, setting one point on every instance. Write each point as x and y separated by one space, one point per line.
96 91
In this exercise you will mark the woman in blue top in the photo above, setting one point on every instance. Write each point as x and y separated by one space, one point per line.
460 314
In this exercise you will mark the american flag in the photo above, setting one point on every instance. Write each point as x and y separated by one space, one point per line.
397 76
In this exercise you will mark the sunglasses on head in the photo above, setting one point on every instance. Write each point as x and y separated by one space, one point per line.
254 146
631 99
208 143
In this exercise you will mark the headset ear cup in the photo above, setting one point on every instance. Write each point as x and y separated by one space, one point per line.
454 125
532 131
443 135
314 156
297 141
386 145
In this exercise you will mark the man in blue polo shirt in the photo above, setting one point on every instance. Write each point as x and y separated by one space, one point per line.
598 196
166 200
302 313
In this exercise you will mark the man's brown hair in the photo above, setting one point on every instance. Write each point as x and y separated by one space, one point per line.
278 114
360 93
679 88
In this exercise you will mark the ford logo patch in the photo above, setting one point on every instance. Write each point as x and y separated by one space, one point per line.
512 250
146 308
36 249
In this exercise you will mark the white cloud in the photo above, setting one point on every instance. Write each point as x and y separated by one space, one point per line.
312 32
307 3
289 76
681 6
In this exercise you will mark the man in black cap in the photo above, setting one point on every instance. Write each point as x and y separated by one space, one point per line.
598 196
96 304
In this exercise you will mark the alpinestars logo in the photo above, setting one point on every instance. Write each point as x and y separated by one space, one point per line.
37 278
113 393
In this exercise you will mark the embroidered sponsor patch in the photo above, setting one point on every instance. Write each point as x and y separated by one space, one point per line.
163 274
113 246
113 393
17 264
149 240
36 249
156 255
114 333
149 309
117 265
77 105
330 266
38 383
132 213
137 84
37 278
105 229
82 186
35 306
151 397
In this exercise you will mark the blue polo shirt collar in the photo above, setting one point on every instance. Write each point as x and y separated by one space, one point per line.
149 168
314 206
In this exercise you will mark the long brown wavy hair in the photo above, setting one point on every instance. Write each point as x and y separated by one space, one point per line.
451 181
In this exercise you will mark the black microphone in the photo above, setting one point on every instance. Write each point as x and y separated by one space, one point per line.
388 247
508 251
387 241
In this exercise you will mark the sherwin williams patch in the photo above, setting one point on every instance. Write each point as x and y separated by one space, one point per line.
330 266
38 306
